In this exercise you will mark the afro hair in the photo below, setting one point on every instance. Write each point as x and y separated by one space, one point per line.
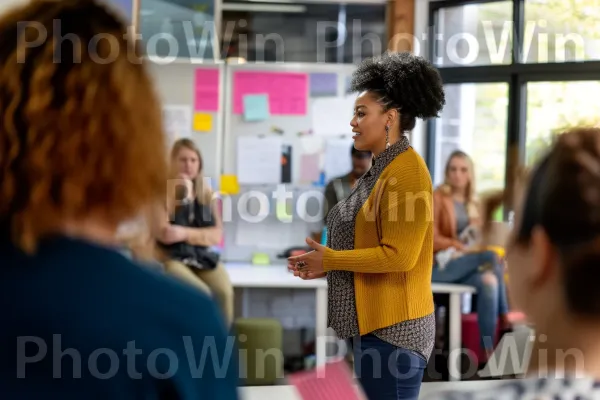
405 81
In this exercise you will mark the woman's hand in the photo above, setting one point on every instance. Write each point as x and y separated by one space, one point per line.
309 275
457 254
309 265
173 234
459 246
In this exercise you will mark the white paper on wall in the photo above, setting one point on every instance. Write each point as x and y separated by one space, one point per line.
331 116
177 122
259 160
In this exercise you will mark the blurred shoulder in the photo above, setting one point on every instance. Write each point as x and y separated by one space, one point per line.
136 287
170 295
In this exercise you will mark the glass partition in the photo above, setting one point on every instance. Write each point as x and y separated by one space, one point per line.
179 29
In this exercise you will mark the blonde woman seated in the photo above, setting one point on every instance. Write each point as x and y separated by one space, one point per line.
456 223
194 226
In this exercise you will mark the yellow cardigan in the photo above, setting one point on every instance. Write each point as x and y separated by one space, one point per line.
392 258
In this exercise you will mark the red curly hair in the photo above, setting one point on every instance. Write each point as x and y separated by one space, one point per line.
81 133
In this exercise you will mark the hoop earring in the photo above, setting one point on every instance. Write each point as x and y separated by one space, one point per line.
387 136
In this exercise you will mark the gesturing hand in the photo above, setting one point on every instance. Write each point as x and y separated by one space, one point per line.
309 265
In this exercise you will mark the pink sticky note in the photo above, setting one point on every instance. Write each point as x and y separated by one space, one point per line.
288 92
206 87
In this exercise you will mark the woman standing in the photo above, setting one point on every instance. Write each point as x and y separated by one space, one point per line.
379 251
195 225
456 214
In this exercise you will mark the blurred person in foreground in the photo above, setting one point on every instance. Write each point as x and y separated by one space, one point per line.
81 151
553 258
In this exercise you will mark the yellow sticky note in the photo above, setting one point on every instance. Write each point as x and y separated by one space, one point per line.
229 184
202 122
260 259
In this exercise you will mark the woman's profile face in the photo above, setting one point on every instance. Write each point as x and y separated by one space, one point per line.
368 123
458 173
187 163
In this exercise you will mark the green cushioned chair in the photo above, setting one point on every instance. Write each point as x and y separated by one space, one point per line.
259 342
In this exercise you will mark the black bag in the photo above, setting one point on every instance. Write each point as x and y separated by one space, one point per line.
193 215
207 258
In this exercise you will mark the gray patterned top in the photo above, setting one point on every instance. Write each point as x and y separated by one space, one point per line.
417 335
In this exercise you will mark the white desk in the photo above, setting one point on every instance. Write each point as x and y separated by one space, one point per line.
455 293
245 276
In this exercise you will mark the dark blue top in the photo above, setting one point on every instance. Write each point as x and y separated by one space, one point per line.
80 321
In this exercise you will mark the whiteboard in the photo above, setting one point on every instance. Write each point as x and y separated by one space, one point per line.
235 126
272 235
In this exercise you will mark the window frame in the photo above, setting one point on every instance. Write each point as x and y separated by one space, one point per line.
517 74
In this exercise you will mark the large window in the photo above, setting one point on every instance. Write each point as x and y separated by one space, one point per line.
559 31
517 73
553 107
474 121
476 34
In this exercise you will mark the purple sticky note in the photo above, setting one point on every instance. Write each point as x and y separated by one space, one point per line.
323 84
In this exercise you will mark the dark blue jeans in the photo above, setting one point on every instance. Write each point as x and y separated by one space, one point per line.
387 372
491 299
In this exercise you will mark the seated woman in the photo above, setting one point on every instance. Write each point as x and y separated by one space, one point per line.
553 257
456 217
194 226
